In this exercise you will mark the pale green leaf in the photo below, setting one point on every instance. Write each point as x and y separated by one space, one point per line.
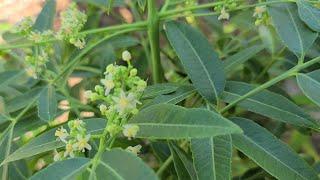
310 85
239 58
167 121
291 29
212 157
198 59
271 154
182 163
309 14
45 19
47 103
118 164
62 170
268 104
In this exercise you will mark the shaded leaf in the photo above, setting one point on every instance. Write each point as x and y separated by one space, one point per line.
268 104
310 85
159 89
66 169
309 14
293 32
166 121
45 19
111 166
182 163
270 153
212 157
47 103
198 59
239 58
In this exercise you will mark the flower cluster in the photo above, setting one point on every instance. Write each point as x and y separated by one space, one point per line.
224 8
261 15
76 140
72 21
119 95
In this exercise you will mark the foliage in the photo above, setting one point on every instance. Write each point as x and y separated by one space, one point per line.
188 90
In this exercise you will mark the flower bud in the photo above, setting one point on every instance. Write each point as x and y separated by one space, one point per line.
133 72
126 56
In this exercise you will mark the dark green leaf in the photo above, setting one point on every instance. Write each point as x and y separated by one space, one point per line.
118 164
309 14
239 58
166 121
159 89
198 59
182 93
182 163
47 103
23 100
45 19
310 85
62 170
270 153
10 77
293 32
212 157
268 104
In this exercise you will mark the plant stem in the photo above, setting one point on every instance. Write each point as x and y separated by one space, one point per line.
164 166
268 84
153 35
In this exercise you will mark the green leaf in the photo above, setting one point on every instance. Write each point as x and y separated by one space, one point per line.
198 59
309 14
142 4
66 169
310 85
239 58
181 94
48 141
10 77
270 153
212 157
118 164
23 100
182 163
45 19
167 121
293 32
159 89
268 104
47 103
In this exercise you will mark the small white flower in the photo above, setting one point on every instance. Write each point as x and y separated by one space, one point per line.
62 134
224 14
57 156
69 150
78 124
130 130
125 103
126 56
103 108
108 84
41 163
258 11
88 94
135 149
82 143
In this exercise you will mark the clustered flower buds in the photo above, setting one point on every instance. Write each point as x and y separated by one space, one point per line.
72 21
118 96
76 140
224 8
261 15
